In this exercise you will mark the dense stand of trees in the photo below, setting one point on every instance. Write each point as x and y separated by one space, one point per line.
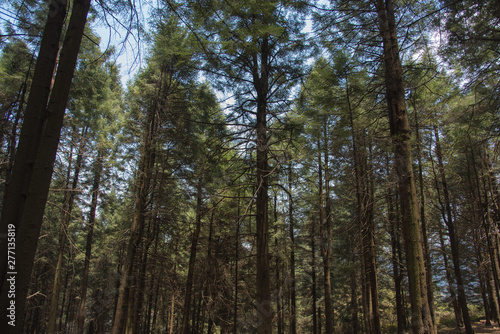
274 167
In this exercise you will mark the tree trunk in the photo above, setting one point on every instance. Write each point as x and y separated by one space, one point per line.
66 214
31 132
263 283
136 230
192 261
365 198
313 277
293 294
453 239
98 167
449 280
326 232
423 219
401 138
236 265
30 216
395 246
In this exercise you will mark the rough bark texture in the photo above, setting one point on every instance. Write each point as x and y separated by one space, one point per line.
34 116
401 138
37 186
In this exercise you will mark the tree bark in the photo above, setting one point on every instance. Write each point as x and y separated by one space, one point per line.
313 276
448 219
325 231
395 246
31 132
423 219
293 294
365 199
98 167
401 138
192 261
66 214
263 283
136 230
34 189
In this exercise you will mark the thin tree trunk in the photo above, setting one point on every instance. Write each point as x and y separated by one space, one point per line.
263 279
192 260
486 223
313 277
354 286
67 209
293 294
365 198
482 277
423 219
237 251
395 246
141 202
401 138
279 305
326 234
453 239
98 167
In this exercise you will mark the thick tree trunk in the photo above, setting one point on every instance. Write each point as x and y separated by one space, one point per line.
98 167
31 132
401 138
34 196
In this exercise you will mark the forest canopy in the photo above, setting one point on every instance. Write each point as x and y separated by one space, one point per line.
272 166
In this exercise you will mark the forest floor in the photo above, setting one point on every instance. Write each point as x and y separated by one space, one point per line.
478 327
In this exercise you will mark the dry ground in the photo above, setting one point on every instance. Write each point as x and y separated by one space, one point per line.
479 328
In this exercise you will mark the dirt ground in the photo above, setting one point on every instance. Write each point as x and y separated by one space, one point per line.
479 328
